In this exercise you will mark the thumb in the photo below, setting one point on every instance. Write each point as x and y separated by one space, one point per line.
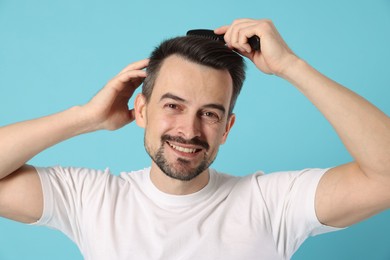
131 115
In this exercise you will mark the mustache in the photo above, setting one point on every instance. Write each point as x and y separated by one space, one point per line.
178 139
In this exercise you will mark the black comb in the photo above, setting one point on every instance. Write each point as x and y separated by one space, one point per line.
253 41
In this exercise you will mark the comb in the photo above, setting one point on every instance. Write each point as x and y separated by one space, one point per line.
253 41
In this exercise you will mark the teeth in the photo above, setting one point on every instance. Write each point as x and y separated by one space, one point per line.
183 149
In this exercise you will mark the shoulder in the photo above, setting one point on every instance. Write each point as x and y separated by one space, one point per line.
289 178
272 185
71 174
136 176
79 178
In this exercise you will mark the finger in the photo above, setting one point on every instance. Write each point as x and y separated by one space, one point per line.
232 36
138 65
132 78
244 31
129 75
221 30
243 36
225 28
240 23
131 115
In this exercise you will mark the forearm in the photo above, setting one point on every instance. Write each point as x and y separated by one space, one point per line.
363 128
22 141
108 109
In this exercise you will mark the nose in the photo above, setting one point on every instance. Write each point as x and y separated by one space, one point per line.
189 126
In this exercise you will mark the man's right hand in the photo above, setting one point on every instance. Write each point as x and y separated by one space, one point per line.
20 188
109 108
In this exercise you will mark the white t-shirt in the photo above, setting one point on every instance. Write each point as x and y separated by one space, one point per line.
126 217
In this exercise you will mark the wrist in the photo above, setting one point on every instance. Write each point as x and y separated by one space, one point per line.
293 66
81 119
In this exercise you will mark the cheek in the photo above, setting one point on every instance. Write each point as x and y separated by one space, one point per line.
214 135
165 123
160 124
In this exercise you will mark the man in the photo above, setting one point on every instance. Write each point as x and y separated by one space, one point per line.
179 208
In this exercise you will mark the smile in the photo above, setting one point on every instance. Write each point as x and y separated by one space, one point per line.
183 149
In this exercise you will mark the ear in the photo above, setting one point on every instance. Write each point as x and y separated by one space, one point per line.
140 110
229 125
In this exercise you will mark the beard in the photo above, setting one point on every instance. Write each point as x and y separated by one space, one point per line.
180 169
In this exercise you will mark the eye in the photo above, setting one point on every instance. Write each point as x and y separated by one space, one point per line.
171 106
210 117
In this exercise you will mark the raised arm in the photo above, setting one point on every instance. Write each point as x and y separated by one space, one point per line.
20 188
347 193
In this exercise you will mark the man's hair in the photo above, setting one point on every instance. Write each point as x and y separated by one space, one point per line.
201 51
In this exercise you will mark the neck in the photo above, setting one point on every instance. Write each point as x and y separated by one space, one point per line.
177 187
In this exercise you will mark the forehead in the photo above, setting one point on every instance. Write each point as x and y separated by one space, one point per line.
193 81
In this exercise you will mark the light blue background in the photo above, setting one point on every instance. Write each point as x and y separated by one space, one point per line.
56 54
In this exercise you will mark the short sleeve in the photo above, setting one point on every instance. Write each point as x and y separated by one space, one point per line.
290 200
66 192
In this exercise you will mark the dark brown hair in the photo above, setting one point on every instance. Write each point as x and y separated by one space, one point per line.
199 50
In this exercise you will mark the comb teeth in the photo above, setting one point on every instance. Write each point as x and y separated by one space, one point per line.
206 34
253 41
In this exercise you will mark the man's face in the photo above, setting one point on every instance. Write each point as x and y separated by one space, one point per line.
186 118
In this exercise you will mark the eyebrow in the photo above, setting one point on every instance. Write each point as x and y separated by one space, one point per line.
177 98
172 96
